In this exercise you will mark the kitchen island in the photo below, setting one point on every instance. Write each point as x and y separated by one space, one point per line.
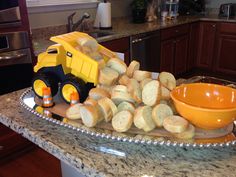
92 156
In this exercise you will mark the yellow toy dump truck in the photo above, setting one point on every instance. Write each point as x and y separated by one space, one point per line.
67 67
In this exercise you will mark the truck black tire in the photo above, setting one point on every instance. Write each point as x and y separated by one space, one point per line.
73 84
41 80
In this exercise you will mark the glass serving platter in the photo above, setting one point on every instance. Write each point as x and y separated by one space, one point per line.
225 138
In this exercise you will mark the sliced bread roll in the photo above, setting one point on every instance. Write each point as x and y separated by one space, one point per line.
151 93
119 88
117 64
175 124
119 97
105 87
91 101
189 133
167 79
165 93
124 80
143 118
89 115
73 112
108 76
98 93
126 106
105 109
133 66
140 75
160 112
144 82
88 42
135 90
111 104
122 121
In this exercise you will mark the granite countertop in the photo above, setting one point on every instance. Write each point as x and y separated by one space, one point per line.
101 157
122 27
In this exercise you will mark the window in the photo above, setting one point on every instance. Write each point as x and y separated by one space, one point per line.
35 6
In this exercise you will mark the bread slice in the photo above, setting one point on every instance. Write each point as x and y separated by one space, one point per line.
160 112
119 88
73 112
108 76
140 75
165 93
91 102
105 109
89 115
175 124
135 90
133 66
117 64
122 121
151 93
123 80
98 93
105 87
111 104
119 97
126 106
143 118
144 82
189 133
88 42
167 79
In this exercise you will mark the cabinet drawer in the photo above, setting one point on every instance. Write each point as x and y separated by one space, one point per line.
227 28
174 32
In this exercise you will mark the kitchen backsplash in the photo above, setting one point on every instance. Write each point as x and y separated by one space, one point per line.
120 8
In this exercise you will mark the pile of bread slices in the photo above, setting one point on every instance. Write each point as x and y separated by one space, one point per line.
128 96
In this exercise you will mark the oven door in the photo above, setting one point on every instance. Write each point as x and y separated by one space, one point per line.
16 68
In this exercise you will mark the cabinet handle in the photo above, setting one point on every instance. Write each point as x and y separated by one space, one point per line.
176 31
213 26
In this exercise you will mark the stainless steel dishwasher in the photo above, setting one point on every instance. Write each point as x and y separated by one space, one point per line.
145 48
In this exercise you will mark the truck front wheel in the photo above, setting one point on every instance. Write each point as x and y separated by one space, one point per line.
73 84
42 80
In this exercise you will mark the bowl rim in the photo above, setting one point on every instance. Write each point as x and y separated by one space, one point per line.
202 108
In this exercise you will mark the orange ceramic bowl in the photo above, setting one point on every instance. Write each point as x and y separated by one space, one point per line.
207 106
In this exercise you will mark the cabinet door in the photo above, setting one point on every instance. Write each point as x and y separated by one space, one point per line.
181 54
11 143
119 45
193 45
226 54
167 55
206 44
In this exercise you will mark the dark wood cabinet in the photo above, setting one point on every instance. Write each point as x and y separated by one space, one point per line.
119 45
225 59
193 45
174 49
167 56
11 143
207 40
181 54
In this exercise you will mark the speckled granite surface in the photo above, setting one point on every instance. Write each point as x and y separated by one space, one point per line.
100 157
122 27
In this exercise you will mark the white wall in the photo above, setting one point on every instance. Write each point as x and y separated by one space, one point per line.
120 8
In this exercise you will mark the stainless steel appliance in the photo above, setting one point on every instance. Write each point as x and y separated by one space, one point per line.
9 13
15 47
227 10
145 48
15 61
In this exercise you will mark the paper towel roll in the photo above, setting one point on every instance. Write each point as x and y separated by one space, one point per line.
103 16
